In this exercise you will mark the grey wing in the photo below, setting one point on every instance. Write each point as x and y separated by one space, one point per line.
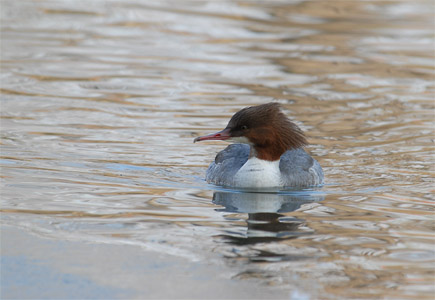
299 169
226 164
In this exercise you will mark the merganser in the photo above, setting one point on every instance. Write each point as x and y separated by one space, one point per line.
269 152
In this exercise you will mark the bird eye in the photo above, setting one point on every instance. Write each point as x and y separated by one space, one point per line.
244 127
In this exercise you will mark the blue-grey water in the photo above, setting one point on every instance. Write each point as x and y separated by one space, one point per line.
101 101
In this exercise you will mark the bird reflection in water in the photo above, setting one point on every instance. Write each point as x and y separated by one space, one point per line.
268 218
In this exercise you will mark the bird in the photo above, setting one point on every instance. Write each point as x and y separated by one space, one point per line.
268 152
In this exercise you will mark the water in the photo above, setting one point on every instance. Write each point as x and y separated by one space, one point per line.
101 101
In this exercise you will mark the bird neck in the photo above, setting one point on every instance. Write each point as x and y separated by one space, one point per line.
268 153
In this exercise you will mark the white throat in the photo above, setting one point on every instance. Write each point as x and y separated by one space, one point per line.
258 173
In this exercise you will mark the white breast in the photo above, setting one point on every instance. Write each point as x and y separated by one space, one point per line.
258 173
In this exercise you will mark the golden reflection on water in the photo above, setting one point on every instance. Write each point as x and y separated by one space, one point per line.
99 112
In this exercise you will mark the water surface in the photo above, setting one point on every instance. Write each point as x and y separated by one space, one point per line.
101 101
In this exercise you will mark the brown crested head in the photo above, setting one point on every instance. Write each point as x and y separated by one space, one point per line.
267 129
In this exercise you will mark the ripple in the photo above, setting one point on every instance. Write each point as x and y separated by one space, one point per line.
413 256
101 100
